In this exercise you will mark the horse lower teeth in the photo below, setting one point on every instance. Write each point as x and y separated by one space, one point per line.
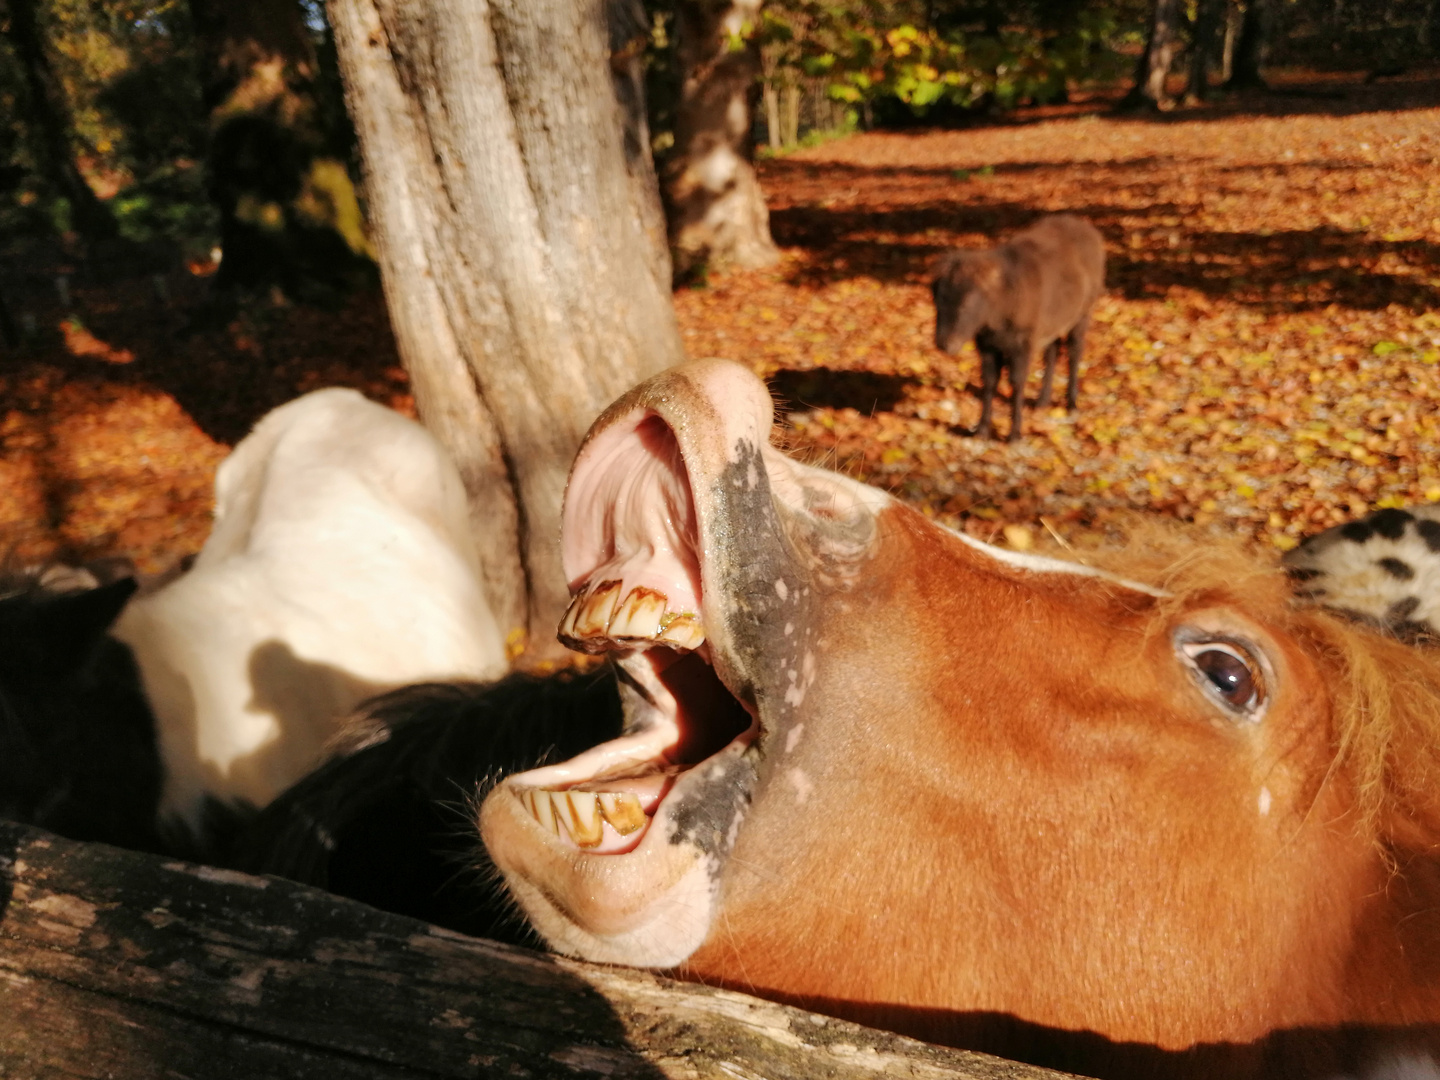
580 813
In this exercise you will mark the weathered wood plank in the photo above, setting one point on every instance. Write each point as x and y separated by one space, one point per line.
122 965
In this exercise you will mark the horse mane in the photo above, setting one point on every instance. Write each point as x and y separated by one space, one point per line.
1385 692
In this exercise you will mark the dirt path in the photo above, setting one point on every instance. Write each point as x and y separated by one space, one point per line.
1267 358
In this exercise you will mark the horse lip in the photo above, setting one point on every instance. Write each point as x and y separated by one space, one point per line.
643 751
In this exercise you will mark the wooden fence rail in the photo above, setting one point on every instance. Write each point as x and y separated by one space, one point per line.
116 964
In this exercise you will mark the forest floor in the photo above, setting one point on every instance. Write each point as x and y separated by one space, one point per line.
1266 360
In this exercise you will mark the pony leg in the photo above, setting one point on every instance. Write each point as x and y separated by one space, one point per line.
1052 351
989 380
1019 372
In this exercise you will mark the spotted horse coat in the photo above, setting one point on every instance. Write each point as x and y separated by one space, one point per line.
1383 569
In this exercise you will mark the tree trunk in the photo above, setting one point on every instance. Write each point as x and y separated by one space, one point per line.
517 242
50 112
772 118
790 107
1154 65
629 37
289 216
132 966
1250 47
714 203
1207 25
1233 17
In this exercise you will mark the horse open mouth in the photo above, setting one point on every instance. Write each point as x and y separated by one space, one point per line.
632 552
700 557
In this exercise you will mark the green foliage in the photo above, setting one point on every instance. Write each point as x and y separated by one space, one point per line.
955 55
170 204
128 71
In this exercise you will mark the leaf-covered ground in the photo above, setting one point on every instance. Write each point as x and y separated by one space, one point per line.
113 420
1267 357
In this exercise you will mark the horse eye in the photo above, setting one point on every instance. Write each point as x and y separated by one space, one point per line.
1229 673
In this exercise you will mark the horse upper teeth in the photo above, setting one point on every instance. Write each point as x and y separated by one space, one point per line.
683 632
597 620
639 615
583 812
594 617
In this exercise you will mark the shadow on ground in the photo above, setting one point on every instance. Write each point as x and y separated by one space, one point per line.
824 388
1289 270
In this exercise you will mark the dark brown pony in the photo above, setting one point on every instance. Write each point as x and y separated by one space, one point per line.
1019 299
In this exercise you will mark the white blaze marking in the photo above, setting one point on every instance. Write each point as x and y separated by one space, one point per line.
795 695
802 784
793 737
1044 564
734 829
1264 801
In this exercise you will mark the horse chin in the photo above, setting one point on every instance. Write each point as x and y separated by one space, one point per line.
603 851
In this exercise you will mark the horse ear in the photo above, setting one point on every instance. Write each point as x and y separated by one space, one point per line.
69 627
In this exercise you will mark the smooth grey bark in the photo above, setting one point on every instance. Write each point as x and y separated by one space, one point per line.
1154 65
629 37
516 227
790 109
772 117
716 210
1233 17
132 967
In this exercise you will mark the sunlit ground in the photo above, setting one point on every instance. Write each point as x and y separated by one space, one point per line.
113 420
1267 358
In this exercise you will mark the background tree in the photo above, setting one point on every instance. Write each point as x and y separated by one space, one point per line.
1250 48
942 60
510 224
49 108
713 200
1161 45
1208 15
276 163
